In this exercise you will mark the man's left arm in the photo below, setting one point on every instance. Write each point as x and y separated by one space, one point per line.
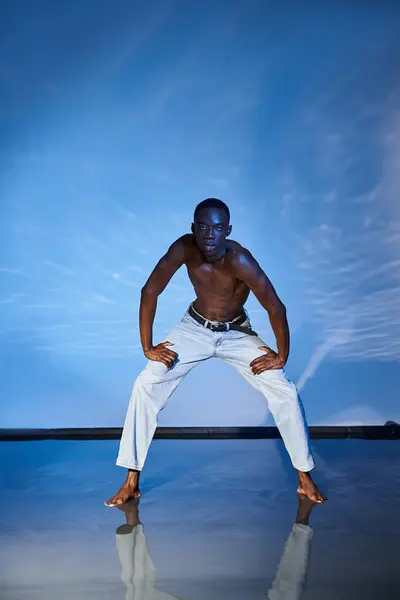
249 271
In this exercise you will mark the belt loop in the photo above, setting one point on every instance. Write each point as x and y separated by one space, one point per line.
206 323
227 326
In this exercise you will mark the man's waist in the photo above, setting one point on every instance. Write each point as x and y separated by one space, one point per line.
235 324
199 317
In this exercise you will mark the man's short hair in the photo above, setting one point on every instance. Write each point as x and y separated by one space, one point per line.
212 203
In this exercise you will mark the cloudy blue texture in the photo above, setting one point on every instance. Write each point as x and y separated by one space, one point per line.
117 118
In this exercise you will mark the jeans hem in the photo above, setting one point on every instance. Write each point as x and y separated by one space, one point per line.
126 465
308 468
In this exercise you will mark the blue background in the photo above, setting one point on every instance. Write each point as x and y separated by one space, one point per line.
117 118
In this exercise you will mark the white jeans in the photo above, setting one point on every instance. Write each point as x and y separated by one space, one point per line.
195 343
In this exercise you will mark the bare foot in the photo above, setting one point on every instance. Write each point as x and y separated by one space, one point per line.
128 491
309 489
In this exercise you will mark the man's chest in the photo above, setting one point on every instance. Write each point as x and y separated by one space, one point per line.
213 277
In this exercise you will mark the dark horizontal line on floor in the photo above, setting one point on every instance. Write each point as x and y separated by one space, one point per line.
389 431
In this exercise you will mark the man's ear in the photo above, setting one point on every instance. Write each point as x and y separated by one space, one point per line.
229 230
192 228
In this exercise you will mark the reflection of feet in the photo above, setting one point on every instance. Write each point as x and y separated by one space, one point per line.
309 489
128 491
304 510
131 510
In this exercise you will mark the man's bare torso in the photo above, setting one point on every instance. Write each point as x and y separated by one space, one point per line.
220 295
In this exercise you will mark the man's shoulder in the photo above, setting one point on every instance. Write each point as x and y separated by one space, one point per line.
186 241
183 246
243 263
237 252
187 238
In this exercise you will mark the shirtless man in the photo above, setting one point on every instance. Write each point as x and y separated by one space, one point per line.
215 325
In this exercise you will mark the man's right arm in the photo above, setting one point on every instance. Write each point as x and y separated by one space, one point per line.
154 286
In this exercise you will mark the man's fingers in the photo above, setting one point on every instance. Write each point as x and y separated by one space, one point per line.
265 364
168 358
264 357
170 353
263 368
262 360
270 366
256 360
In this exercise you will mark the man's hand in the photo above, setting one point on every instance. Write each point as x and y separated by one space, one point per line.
267 362
162 354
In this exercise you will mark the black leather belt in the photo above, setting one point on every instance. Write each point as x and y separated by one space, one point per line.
224 326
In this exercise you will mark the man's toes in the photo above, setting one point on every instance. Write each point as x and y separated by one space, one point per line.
114 502
320 498
315 497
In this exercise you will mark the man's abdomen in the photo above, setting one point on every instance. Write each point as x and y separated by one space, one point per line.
219 307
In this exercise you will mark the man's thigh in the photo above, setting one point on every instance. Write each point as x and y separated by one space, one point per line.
191 346
241 349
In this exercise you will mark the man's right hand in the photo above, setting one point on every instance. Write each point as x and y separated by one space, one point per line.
162 354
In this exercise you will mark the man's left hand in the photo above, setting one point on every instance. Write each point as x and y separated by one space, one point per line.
267 362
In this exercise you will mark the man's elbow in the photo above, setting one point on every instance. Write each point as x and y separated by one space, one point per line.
148 290
277 309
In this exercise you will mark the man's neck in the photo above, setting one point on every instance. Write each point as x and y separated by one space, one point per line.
218 258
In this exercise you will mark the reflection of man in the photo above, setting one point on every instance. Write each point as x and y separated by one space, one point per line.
215 325
292 570
139 573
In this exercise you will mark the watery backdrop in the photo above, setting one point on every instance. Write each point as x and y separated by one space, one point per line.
117 118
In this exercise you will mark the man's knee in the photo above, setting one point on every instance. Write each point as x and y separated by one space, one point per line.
276 381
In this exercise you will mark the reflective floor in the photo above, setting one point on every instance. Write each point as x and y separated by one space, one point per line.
217 520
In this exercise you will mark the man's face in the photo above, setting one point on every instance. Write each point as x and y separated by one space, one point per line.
210 229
